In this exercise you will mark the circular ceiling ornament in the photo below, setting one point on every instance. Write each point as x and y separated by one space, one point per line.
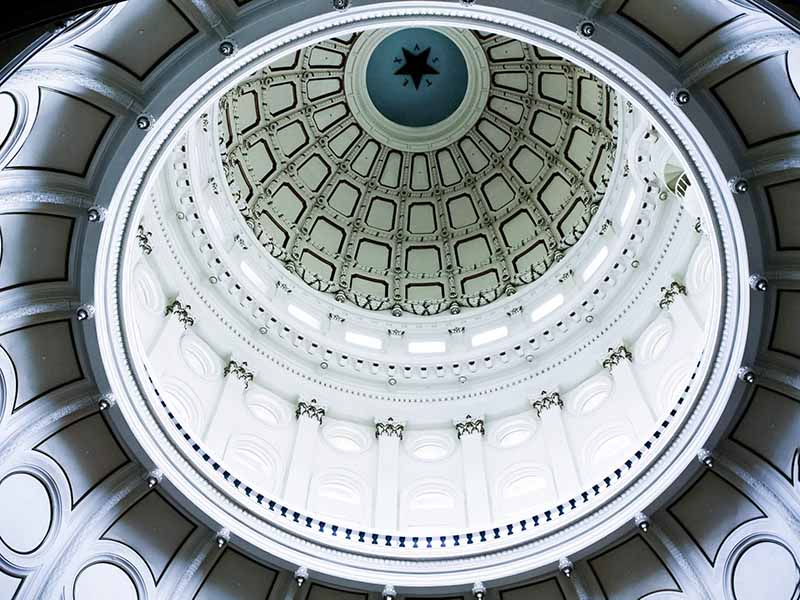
416 77
380 85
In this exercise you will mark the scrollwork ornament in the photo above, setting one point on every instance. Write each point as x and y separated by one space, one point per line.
670 293
310 410
616 356
181 311
547 401
240 371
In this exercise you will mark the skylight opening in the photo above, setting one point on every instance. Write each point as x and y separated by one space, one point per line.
595 263
626 210
490 335
545 309
363 340
303 316
430 347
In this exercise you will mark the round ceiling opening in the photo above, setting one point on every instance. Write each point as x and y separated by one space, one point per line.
417 77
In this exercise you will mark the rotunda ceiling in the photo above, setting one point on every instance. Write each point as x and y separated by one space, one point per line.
419 170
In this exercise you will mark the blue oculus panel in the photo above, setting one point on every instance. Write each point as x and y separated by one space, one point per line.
417 77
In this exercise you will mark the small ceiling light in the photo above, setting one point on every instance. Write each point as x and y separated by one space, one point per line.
323 364
143 122
84 312
105 402
341 4
705 457
758 283
746 375
462 379
681 97
301 576
739 185
479 591
152 481
221 541
389 592
642 521
227 48
392 381
587 29
263 330
566 567
96 214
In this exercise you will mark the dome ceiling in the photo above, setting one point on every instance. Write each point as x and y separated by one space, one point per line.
418 219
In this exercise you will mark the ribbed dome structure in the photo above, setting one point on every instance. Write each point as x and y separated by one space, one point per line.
450 215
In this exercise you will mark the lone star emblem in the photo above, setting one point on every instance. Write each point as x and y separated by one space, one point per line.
416 66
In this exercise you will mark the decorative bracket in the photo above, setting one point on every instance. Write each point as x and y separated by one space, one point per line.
240 371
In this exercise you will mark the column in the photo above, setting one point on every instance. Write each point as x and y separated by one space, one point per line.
165 347
389 434
223 414
309 419
565 471
637 409
470 432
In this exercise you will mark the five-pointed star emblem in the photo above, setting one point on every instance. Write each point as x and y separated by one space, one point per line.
416 66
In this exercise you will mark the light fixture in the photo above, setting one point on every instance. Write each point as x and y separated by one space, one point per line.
746 375
96 214
642 521
301 576
705 457
587 29
758 283
143 122
681 97
84 312
389 592
227 48
479 590
739 185
105 402
566 567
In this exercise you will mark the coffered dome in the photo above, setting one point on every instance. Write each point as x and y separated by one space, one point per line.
342 183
